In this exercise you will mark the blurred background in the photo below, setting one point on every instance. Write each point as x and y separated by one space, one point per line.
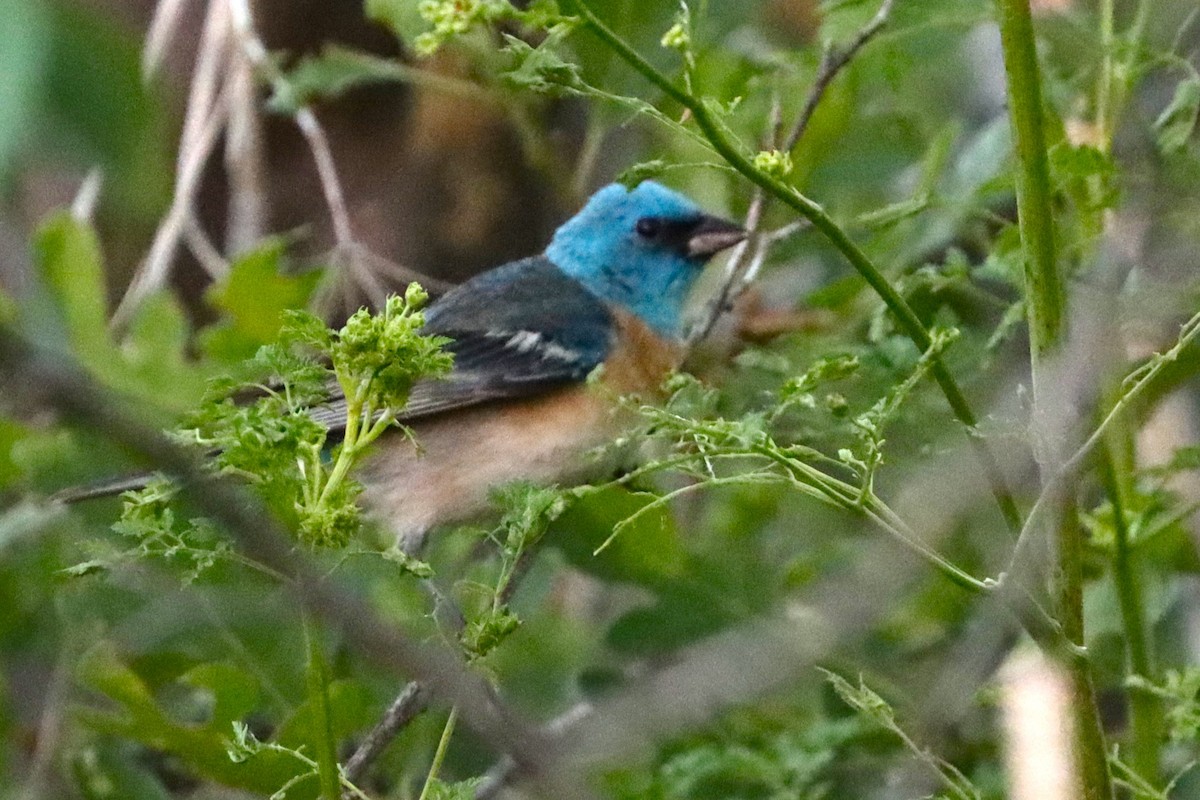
198 211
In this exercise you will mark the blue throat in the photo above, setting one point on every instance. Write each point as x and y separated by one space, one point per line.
600 248
654 292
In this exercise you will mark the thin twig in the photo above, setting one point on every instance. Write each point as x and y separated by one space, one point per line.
413 699
163 26
204 121
331 187
440 754
348 253
747 259
403 710
202 247
50 726
744 254
154 271
244 160
83 207
306 121
1136 383
833 60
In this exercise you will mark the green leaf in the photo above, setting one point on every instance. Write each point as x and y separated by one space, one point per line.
649 552
10 434
138 717
235 693
684 613
114 771
1175 124
352 709
332 73
484 634
402 17
68 258
25 40
459 790
253 298
541 69
102 112
155 351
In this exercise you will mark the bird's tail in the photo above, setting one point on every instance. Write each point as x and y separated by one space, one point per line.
109 487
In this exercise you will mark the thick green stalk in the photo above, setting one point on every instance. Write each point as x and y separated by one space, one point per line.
1046 311
322 743
1145 709
1043 285
1091 749
722 141
1117 459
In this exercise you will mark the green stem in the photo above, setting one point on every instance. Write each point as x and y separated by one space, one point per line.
1106 102
439 755
1091 749
723 143
1046 310
1043 285
1145 709
322 730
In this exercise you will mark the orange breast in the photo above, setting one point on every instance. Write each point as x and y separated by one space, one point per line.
544 439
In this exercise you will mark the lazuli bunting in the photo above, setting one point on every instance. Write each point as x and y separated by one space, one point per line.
609 291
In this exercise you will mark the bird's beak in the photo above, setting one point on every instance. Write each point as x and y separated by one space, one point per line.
712 235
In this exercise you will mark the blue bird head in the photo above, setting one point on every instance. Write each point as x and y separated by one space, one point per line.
641 249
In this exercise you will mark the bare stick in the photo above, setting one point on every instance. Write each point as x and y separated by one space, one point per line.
161 33
413 699
244 160
743 255
306 121
206 253
314 134
403 710
83 207
203 123
833 61
153 272
746 261
348 251
50 726
744 265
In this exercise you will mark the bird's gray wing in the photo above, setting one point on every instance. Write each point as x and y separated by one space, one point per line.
516 331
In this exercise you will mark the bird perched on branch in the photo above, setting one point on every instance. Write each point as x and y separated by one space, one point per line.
608 293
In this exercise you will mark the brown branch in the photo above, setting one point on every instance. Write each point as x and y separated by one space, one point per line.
403 710
205 252
163 27
746 261
244 160
83 207
255 51
413 699
207 113
833 61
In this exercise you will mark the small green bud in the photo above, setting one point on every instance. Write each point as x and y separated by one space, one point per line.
775 163
837 405
415 296
677 37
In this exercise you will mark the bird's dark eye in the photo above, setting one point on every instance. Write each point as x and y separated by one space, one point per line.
648 227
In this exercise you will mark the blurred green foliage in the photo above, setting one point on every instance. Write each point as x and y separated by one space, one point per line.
170 664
